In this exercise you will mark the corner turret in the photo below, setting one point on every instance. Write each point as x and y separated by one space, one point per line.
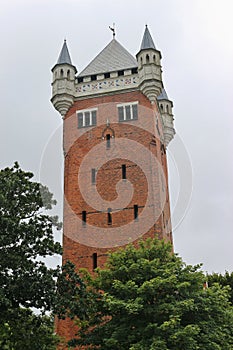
165 106
149 68
63 84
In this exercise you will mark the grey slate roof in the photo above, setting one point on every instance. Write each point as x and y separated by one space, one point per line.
113 57
147 41
64 56
163 95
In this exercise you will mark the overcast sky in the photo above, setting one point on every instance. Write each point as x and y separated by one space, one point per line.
195 39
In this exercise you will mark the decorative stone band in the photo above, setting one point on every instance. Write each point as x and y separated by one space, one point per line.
107 85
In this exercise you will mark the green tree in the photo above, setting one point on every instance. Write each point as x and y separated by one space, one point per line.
147 298
24 330
223 280
26 239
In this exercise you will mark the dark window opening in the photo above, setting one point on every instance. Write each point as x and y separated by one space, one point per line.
135 111
121 113
109 216
61 73
127 113
68 74
93 77
135 208
84 217
134 70
93 114
123 168
87 118
107 75
161 106
120 72
147 59
108 137
167 108
80 120
94 259
80 80
93 176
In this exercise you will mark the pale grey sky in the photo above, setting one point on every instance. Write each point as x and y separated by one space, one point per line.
195 38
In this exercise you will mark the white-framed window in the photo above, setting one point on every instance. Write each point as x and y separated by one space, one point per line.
127 111
86 117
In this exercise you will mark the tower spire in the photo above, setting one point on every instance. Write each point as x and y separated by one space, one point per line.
147 41
64 56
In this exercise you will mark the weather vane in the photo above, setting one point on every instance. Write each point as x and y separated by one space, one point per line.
113 30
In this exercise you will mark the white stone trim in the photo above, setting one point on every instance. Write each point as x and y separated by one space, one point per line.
106 86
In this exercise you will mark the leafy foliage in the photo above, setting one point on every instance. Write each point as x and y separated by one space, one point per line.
26 239
223 280
152 300
23 330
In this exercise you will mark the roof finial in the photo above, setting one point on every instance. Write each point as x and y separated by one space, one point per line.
113 30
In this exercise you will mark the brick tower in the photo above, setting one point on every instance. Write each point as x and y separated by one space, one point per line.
118 123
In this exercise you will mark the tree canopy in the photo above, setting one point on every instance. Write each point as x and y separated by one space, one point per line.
148 298
26 239
223 280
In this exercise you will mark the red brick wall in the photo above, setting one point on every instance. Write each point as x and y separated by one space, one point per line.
147 132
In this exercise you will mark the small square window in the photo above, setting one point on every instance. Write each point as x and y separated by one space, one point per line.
86 118
128 112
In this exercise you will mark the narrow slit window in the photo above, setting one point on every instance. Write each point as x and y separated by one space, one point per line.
109 216
93 176
123 168
94 259
135 208
84 217
108 138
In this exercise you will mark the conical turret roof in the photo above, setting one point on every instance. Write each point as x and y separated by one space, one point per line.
163 95
147 41
64 56
113 57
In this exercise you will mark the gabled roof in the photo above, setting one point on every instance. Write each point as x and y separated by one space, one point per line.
147 41
163 95
64 56
113 57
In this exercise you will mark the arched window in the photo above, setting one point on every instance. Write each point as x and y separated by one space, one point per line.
61 73
154 59
68 74
167 108
161 106
147 59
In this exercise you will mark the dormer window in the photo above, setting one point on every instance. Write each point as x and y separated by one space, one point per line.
86 118
128 111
